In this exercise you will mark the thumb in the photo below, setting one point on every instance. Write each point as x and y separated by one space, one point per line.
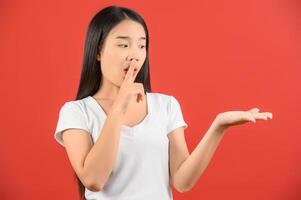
254 110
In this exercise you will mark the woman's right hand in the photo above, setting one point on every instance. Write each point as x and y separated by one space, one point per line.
128 89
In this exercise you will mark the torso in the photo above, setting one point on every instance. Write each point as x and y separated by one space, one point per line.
135 112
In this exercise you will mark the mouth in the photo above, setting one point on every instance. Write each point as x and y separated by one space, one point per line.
127 69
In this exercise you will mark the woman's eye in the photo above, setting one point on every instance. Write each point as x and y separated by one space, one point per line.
125 45
122 45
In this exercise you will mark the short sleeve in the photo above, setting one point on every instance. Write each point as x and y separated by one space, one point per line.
70 116
175 116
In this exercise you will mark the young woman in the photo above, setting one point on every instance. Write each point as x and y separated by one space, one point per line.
124 141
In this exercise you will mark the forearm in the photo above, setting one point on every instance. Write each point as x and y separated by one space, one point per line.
194 165
100 160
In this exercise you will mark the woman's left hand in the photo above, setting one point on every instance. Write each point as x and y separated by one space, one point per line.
231 118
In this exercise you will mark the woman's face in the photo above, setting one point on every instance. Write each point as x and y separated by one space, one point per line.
126 41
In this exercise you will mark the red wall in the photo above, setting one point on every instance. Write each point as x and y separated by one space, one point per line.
214 56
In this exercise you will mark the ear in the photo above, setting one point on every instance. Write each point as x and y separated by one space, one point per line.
98 57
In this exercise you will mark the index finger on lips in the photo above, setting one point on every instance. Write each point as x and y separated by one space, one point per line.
130 72
135 73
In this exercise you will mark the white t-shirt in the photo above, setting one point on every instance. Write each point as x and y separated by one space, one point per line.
141 170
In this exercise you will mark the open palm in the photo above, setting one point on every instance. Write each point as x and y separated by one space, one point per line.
231 118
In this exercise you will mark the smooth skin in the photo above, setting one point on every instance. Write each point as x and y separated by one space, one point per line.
187 168
124 102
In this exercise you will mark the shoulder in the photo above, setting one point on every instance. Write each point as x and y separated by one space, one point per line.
163 98
74 106
160 97
163 101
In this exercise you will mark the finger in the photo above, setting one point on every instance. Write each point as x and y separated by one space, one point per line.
261 117
139 98
129 74
254 110
141 94
248 117
252 120
266 115
271 115
135 73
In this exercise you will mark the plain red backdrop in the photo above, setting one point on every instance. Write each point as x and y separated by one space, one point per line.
213 56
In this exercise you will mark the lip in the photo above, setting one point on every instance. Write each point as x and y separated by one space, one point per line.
128 66
126 70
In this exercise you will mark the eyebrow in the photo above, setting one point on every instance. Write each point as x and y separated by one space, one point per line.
127 37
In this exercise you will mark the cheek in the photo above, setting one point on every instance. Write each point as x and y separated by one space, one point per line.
113 69
116 58
113 61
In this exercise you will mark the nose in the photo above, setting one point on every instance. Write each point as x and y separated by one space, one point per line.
131 58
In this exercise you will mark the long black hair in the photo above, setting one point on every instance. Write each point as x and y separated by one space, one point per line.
91 75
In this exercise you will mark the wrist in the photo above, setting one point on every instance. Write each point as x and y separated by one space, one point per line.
218 126
115 112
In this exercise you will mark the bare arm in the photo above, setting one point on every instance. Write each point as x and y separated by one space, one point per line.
93 164
195 164
100 160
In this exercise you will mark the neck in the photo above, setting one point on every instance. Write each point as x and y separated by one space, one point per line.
107 90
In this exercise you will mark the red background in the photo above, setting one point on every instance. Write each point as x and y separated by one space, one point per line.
213 56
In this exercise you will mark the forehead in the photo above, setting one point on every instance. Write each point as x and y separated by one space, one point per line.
128 28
